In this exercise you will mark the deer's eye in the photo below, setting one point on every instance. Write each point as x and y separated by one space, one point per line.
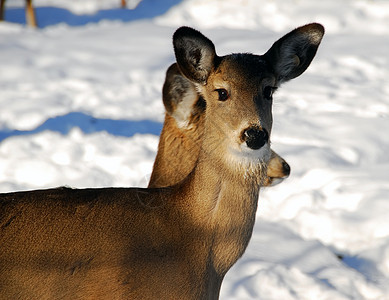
223 94
268 92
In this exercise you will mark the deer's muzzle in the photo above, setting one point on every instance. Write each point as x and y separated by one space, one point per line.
255 137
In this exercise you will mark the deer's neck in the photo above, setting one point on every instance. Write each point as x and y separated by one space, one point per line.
224 201
183 143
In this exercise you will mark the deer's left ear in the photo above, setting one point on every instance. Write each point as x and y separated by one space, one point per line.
195 54
291 55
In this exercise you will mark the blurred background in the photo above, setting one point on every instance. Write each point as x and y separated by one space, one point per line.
81 105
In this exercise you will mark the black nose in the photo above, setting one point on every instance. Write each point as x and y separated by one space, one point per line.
255 137
286 168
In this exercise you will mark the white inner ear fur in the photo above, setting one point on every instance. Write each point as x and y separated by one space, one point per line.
206 63
184 109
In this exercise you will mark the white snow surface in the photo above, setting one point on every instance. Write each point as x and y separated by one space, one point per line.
80 105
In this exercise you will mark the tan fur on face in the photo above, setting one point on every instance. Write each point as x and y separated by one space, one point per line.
277 170
182 132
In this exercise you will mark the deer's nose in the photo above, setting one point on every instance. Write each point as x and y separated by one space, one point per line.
255 137
286 168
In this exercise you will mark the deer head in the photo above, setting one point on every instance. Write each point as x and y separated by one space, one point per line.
238 89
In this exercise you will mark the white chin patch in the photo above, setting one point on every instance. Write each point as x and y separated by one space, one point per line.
246 154
276 181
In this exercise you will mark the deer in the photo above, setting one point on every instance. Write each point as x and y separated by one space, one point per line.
174 242
180 138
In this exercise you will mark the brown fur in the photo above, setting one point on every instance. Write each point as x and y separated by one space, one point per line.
157 243
180 140
277 170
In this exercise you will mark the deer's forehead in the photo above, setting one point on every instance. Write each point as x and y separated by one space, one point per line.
243 68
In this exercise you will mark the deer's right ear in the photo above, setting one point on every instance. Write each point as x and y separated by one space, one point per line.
292 54
195 54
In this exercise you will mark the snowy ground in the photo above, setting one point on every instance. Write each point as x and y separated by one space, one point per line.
80 105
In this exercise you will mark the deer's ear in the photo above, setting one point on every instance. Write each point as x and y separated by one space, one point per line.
174 88
291 55
195 54
179 95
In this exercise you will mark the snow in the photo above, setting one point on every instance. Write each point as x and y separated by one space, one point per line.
81 106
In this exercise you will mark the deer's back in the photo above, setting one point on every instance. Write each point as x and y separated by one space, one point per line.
100 243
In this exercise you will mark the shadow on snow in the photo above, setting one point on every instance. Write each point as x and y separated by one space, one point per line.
89 124
364 266
48 16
